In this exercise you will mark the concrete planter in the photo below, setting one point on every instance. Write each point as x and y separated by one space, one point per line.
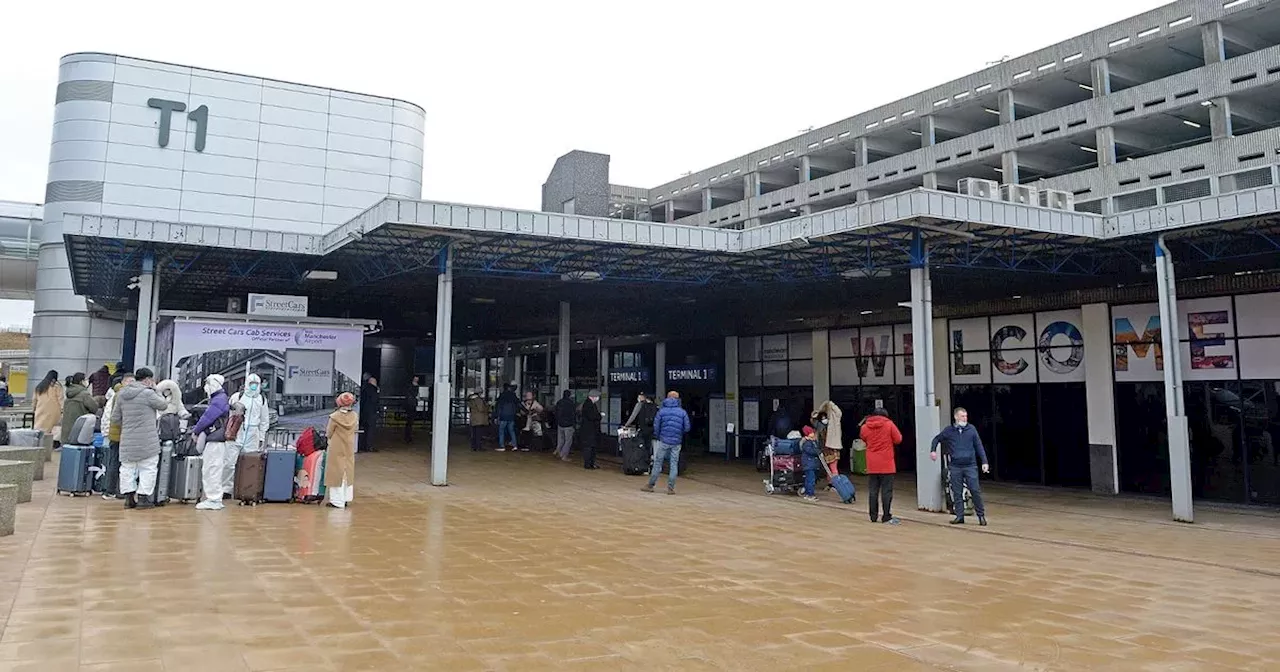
18 474
34 455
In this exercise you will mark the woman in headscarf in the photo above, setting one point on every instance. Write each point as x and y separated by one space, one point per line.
340 459
49 400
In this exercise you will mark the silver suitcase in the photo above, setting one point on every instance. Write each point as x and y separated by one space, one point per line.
161 494
185 481
27 438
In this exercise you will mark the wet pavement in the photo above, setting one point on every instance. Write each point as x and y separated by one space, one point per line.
527 563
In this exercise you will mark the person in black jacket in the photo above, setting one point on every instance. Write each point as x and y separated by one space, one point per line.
642 415
566 419
589 429
370 403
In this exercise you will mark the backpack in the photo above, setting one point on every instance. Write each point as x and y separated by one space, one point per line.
307 442
645 420
170 427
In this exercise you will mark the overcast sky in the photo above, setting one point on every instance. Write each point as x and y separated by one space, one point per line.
664 87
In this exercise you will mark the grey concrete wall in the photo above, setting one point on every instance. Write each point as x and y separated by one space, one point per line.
582 177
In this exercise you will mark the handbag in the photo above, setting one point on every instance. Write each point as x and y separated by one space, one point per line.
859 445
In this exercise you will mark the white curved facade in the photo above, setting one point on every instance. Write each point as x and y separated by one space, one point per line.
241 151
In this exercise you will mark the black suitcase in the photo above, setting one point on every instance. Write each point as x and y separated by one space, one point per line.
107 461
636 456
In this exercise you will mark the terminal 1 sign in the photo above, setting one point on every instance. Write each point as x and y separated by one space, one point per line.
693 373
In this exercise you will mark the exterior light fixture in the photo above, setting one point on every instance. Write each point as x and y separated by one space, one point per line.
317 274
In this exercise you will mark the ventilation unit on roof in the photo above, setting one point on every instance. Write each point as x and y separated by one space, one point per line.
1018 193
972 186
1057 200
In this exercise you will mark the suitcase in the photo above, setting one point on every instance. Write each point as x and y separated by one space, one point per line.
107 462
185 482
160 496
786 447
250 475
309 480
277 485
73 470
636 457
27 438
841 483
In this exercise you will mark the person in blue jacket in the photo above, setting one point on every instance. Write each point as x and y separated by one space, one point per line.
669 426
810 454
964 446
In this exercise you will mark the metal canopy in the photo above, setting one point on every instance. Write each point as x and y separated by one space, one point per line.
389 253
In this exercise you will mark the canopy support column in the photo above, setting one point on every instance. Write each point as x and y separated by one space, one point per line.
928 472
1179 439
442 389
142 338
562 352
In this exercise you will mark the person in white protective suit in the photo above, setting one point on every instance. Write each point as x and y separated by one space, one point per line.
252 436
214 426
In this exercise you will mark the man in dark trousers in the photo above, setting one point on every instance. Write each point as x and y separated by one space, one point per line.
566 419
964 446
410 409
589 430
506 408
370 403
642 419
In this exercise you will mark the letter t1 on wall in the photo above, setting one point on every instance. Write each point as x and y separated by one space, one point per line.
167 108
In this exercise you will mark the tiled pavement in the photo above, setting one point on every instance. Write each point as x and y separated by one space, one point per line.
528 564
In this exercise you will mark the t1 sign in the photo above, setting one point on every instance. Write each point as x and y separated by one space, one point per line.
200 115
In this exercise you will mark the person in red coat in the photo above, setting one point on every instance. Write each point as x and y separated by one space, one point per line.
880 435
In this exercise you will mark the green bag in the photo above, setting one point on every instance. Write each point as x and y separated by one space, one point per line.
858 462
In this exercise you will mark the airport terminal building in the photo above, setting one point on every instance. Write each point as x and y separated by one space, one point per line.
1027 241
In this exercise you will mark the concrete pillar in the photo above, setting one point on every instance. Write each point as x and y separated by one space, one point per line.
860 151
750 185
731 392
562 354
146 316
862 196
821 366
660 371
442 388
805 165
706 199
602 375
930 180
1007 111
928 130
1009 164
1179 437
1211 40
806 209
1100 75
928 472
1105 141
669 211
1100 398
1220 118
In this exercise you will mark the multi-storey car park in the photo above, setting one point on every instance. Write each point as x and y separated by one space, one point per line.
1174 104
846 264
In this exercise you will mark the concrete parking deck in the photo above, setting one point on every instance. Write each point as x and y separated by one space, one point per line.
526 563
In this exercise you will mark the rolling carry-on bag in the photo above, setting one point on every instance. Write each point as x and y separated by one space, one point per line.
278 475
73 470
250 474
107 472
841 483
185 483
161 494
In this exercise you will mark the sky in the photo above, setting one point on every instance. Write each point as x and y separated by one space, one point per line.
664 87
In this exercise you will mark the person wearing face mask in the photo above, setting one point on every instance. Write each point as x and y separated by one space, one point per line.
253 433
214 425
964 447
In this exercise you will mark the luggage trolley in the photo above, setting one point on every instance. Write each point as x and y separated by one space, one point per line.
785 474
